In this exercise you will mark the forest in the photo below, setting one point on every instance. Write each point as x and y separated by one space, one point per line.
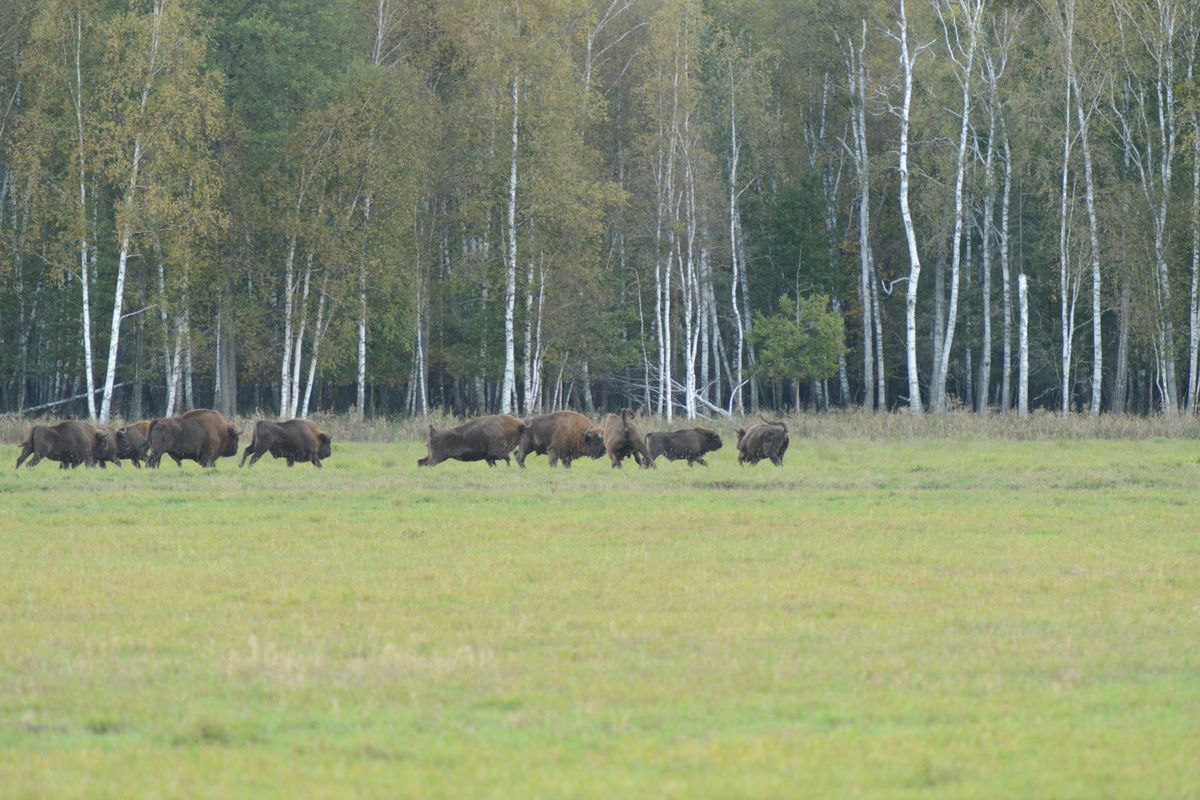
387 207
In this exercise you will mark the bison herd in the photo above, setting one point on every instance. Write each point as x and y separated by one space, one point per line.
567 435
203 436
199 435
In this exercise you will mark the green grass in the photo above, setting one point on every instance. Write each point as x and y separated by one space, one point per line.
876 619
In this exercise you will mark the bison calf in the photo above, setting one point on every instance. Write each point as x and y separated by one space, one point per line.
687 444
489 439
297 440
563 435
762 440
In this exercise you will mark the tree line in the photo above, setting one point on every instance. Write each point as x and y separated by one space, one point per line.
392 206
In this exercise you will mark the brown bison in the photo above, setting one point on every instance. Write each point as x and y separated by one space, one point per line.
70 443
133 442
489 439
295 439
761 440
105 450
687 444
564 435
201 435
621 439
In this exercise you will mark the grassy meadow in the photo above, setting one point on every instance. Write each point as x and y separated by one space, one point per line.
900 618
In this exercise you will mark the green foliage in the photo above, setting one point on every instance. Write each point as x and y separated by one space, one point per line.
801 344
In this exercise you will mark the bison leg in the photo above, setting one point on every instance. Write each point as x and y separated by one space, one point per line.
178 460
26 451
701 461
616 460
246 454
520 456
37 457
316 462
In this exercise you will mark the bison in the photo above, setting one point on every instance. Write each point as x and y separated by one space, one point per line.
761 440
70 443
489 439
687 444
295 439
104 450
563 435
133 442
621 439
201 435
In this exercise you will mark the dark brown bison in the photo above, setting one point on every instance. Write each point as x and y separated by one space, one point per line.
70 443
105 451
201 435
294 439
621 439
761 440
687 444
489 439
133 442
563 435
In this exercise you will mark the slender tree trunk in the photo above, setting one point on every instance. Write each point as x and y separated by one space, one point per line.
81 153
1023 346
361 376
1194 302
318 333
289 290
908 58
508 388
857 80
168 361
127 225
968 67
1082 120
1006 279
1120 398
1063 256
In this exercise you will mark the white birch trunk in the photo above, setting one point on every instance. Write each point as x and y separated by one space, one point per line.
1082 119
77 100
972 10
298 347
908 57
318 333
857 82
510 280
114 340
1006 279
285 367
1023 346
360 406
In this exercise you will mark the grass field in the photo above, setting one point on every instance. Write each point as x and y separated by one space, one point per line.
877 619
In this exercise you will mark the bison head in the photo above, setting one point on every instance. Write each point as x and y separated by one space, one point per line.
593 442
104 447
231 441
711 440
433 458
323 449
